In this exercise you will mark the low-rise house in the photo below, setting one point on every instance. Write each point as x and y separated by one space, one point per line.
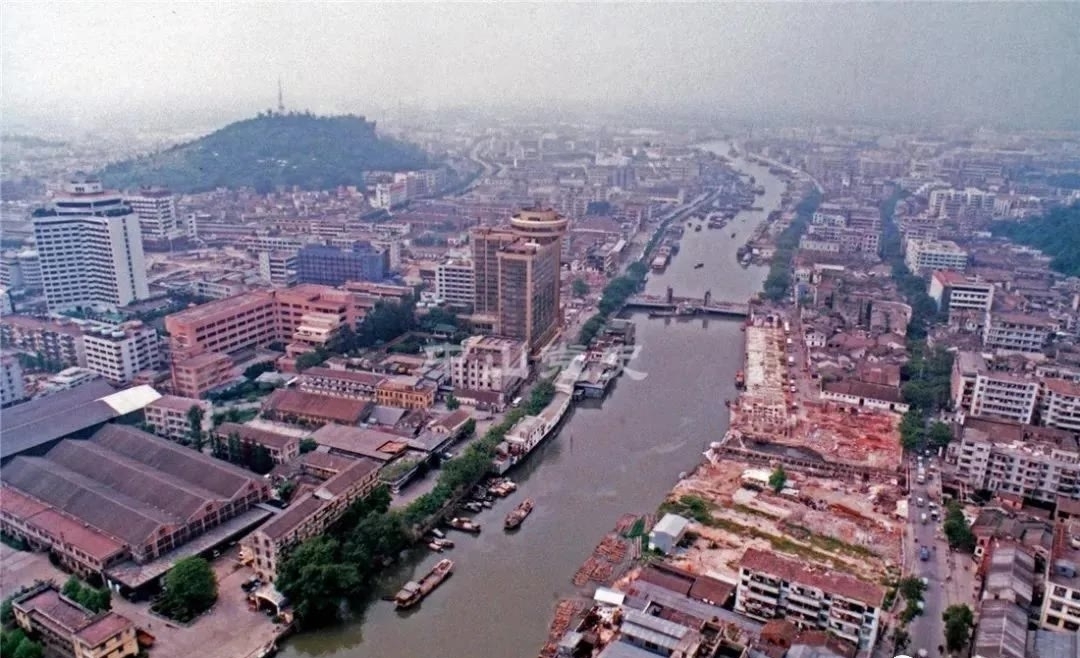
289 405
1061 603
68 629
168 416
864 395
281 447
667 533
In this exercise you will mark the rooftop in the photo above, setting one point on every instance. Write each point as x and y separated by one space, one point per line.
361 441
94 629
830 582
255 435
293 402
1002 630
36 422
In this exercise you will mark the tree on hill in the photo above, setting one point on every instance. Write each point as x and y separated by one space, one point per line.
269 151
1056 234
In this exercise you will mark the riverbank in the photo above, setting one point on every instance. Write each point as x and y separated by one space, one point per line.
609 457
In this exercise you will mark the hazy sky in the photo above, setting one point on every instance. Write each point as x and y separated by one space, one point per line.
1012 62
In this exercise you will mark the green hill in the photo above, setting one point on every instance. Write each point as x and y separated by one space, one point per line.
269 150
1056 234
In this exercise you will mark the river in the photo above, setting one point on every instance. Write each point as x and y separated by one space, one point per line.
620 457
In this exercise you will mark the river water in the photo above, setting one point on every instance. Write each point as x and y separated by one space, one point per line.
607 460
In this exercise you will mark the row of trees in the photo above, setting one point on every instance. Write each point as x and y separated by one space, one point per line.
234 450
94 599
324 575
778 282
615 294
16 644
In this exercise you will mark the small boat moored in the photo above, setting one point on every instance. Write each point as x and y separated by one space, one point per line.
414 591
517 516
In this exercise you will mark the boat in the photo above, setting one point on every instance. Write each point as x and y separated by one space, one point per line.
698 266
464 525
435 547
740 379
414 591
661 314
515 518
733 234
443 543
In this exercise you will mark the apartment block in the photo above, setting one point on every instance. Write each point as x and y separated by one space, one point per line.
1005 395
68 629
308 516
168 416
12 388
348 384
489 363
118 352
196 376
924 255
223 326
156 209
281 447
771 586
405 392
455 282
1027 461
1060 404
1061 603
952 291
1017 332
953 203
58 342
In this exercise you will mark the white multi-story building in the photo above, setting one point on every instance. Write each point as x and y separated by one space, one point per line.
489 363
278 267
952 202
1017 332
12 388
771 586
118 352
953 291
1061 604
168 416
455 282
1041 465
90 249
156 210
1004 395
1060 405
923 255
389 195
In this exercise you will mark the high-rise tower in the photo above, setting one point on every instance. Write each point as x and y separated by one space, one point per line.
90 248
517 276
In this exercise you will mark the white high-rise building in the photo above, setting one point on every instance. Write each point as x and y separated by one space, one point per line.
455 282
90 248
156 209
11 380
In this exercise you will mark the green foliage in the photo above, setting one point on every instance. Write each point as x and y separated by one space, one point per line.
579 287
778 479
959 621
311 359
1056 234
252 372
956 528
385 322
691 507
778 282
927 377
307 444
615 294
317 581
7 612
452 403
315 153
912 588
939 434
260 461
91 598
190 590
195 416
285 490
541 396
16 644
912 429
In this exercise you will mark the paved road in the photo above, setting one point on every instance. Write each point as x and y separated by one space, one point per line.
949 575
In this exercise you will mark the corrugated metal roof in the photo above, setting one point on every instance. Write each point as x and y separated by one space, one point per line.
672 525
30 424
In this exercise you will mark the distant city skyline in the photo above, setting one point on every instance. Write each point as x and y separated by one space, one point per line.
155 65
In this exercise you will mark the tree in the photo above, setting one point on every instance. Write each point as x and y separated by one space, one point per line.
307 444
956 528
285 490
190 589
27 648
310 359
958 622
579 287
93 598
778 479
940 434
452 403
234 447
901 638
317 581
911 429
261 461
253 372
912 588
195 417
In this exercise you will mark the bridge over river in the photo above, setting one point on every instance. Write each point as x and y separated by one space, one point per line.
670 303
